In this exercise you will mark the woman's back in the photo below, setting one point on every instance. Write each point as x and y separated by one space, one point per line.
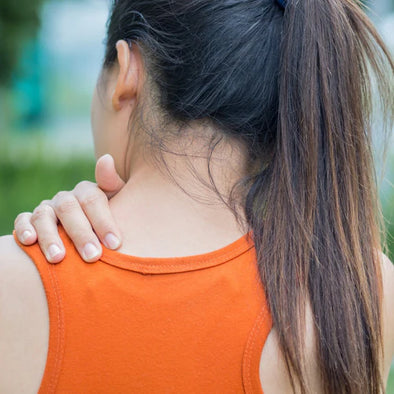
26 328
128 324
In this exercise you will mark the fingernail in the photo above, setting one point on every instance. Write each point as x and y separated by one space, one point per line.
90 251
26 235
111 241
53 251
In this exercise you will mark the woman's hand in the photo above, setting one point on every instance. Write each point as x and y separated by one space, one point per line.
84 214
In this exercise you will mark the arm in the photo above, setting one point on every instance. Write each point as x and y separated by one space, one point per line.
24 321
84 214
388 314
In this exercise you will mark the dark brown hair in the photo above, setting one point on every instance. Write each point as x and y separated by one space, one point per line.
296 86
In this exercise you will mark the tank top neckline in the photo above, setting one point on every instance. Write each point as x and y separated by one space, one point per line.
167 265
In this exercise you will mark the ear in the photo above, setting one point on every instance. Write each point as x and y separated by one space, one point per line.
126 88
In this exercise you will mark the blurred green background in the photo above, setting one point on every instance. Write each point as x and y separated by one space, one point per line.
50 56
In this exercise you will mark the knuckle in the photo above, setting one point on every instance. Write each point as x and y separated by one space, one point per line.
85 185
65 204
66 207
102 227
81 238
42 211
83 188
91 199
61 196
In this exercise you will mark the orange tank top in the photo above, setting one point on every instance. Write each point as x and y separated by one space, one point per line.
128 324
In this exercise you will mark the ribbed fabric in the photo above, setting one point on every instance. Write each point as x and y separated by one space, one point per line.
128 324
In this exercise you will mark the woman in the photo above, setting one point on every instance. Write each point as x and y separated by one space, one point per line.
229 122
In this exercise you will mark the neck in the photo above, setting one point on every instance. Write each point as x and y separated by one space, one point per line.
172 209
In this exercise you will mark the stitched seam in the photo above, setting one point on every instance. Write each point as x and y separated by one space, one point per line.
50 374
250 347
222 259
248 353
60 330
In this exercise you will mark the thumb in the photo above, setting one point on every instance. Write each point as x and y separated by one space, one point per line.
107 177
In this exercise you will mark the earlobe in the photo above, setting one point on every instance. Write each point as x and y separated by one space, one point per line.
127 79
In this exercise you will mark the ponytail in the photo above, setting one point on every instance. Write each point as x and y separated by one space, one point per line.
314 210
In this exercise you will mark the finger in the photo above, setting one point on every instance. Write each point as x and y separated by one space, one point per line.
24 230
77 226
107 177
45 223
94 203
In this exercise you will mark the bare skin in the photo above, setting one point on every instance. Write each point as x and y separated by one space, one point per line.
136 210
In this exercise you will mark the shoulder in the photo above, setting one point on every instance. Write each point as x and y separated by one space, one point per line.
24 321
388 312
12 257
18 274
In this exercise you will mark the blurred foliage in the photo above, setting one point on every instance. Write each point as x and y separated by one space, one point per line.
390 383
19 21
389 224
24 186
